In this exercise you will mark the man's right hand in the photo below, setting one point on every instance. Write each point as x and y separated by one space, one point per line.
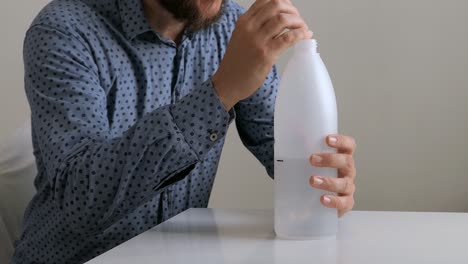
256 43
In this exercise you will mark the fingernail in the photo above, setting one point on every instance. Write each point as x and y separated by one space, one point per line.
333 140
317 181
327 200
316 159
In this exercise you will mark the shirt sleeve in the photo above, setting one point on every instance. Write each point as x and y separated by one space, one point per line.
97 178
255 120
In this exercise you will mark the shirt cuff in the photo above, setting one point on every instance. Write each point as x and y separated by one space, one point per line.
202 118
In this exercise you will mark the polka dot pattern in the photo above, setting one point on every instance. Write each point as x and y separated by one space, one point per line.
127 128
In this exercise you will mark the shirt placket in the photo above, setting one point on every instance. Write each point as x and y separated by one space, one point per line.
179 72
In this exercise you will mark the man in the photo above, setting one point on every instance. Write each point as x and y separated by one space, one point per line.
131 100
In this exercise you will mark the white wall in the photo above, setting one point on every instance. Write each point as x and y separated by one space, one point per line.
401 77
400 70
15 17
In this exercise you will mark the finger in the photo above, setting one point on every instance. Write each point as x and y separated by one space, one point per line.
343 186
338 202
290 38
344 162
273 10
344 144
283 21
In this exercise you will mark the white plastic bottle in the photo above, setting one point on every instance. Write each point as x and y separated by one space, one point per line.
305 113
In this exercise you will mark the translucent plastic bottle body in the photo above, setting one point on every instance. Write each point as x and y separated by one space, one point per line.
305 114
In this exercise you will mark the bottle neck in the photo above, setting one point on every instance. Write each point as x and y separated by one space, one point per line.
309 45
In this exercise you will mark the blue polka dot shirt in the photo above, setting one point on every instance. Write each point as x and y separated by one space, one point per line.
127 127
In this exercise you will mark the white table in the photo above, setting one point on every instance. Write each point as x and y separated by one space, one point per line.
246 236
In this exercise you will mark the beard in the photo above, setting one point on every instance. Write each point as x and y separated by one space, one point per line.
189 11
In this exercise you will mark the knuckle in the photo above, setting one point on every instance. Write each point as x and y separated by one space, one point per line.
351 188
330 183
305 33
349 162
299 19
295 10
328 157
302 33
281 18
288 38
345 186
351 203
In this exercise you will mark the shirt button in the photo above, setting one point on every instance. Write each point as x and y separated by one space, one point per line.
213 137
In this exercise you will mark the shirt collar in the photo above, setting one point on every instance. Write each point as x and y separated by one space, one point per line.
135 23
133 18
225 9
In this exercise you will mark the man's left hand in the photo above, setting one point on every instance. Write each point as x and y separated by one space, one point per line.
343 185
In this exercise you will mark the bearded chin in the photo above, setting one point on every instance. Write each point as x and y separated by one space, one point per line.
187 10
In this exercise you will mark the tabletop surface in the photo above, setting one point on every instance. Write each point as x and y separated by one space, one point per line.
212 236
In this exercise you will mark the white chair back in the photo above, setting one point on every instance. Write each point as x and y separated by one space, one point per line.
17 172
